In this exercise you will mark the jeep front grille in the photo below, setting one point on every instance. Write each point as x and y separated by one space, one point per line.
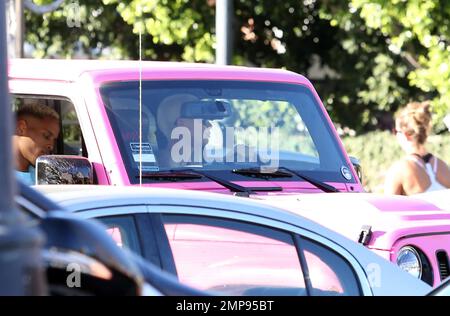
443 263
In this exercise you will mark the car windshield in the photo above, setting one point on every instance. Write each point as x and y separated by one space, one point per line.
229 127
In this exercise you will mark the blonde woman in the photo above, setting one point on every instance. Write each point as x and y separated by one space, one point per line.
419 171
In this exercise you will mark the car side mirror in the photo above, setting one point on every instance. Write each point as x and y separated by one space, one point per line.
357 165
63 169
81 259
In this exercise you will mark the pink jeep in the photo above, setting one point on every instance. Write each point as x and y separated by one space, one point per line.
259 133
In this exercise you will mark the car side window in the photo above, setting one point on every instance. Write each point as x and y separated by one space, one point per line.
329 273
71 130
123 231
234 257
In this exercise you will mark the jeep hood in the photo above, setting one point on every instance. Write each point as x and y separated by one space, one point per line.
390 217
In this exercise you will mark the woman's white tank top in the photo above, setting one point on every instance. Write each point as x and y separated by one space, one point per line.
430 170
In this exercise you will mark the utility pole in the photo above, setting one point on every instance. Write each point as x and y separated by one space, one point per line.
21 271
224 9
15 28
20 29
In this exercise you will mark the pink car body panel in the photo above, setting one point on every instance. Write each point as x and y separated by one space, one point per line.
230 259
393 219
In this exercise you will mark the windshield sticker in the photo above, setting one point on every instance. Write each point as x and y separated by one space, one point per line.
146 147
150 168
147 156
346 173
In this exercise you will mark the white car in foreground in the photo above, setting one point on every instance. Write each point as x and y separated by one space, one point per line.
235 246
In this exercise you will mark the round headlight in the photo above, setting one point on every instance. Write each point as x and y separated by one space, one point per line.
408 259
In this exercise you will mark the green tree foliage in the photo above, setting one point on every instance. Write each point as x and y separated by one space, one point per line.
182 26
80 28
378 61
419 32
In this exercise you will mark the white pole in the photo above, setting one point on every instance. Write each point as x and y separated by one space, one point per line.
224 9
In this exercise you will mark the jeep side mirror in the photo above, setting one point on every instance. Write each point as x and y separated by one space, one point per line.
357 165
62 169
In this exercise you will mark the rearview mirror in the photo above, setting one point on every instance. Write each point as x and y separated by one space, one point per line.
208 110
60 169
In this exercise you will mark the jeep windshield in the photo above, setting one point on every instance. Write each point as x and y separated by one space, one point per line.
232 128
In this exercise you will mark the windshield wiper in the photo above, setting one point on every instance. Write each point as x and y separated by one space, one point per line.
319 184
170 175
258 173
189 174
233 187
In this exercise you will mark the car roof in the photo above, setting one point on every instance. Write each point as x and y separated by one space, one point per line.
50 69
79 198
